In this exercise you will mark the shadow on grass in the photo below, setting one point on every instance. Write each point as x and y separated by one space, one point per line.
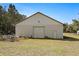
65 38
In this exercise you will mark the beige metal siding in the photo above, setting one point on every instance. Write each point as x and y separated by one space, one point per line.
39 32
53 29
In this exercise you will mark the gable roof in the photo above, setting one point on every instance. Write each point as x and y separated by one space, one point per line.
43 15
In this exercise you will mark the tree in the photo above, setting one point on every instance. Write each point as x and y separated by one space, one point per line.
75 25
72 27
1 12
65 27
2 19
69 29
13 18
8 19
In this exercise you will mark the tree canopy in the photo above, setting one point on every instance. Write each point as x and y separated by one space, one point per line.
73 27
8 19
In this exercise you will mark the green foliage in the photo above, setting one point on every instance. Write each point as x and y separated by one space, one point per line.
75 24
8 19
72 28
65 27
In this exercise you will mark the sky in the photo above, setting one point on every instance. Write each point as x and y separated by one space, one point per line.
63 12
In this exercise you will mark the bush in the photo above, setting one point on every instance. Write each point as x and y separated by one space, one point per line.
2 38
12 39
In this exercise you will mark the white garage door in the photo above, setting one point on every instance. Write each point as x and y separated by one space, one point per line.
38 32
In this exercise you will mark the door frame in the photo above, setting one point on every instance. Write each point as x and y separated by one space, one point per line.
38 27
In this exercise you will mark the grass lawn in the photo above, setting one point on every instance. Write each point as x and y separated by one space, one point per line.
34 47
72 35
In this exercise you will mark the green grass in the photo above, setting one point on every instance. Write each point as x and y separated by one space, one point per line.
37 47
72 35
